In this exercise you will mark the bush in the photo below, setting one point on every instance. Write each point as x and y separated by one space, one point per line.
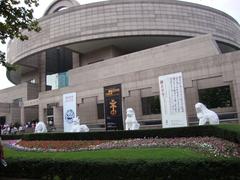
11 137
194 131
228 132
122 169
115 135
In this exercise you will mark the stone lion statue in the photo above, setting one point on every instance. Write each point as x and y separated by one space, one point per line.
205 115
76 127
131 121
40 127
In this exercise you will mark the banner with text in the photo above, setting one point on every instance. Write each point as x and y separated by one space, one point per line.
69 110
172 100
113 107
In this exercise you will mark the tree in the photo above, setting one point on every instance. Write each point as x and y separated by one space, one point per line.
16 16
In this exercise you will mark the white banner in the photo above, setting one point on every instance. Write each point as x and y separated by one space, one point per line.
172 98
69 110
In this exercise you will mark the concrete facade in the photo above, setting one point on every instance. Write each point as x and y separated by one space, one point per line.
127 42
119 18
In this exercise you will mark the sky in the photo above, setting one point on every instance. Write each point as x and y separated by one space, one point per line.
231 7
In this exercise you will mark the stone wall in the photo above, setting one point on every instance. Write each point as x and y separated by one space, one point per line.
109 19
198 58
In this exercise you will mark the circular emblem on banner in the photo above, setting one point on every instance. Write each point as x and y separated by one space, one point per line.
69 116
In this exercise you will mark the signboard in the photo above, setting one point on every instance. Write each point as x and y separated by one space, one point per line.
172 100
113 107
69 110
32 102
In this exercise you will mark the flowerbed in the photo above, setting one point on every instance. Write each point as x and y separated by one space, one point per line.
213 145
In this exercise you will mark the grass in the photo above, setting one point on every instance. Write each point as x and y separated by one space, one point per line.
230 127
129 163
114 154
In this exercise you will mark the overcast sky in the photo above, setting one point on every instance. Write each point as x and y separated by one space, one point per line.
231 7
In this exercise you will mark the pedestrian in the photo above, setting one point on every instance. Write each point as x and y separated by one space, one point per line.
3 162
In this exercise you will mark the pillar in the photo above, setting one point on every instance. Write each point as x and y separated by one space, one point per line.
58 117
22 117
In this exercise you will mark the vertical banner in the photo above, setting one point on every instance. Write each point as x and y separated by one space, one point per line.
69 110
172 100
113 107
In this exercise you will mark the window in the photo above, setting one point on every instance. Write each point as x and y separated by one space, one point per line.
49 111
50 117
2 120
100 110
56 81
216 97
151 105
18 101
58 62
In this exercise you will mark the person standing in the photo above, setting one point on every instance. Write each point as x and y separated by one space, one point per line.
4 163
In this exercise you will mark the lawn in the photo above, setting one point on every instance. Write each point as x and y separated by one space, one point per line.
149 158
131 163
115 154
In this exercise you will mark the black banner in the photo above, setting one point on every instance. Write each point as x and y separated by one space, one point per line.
113 107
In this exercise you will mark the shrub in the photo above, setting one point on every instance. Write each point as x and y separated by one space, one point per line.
228 132
122 169
11 137
112 135
193 131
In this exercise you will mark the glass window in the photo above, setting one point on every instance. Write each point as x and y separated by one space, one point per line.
56 81
216 97
2 120
59 61
18 101
52 81
100 110
151 105
50 111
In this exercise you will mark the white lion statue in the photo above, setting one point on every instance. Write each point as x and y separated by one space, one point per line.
40 127
131 121
76 127
205 115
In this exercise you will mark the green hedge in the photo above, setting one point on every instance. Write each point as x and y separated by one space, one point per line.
229 132
11 137
134 169
112 135
194 131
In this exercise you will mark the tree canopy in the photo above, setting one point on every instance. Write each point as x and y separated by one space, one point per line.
16 16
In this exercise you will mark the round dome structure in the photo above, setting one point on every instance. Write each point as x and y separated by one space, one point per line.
130 24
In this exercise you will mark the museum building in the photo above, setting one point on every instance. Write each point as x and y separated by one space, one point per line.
129 43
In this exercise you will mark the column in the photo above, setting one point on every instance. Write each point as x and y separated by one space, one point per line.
75 60
22 112
58 117
41 114
42 72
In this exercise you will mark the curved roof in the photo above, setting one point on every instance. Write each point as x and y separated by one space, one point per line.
57 5
125 18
